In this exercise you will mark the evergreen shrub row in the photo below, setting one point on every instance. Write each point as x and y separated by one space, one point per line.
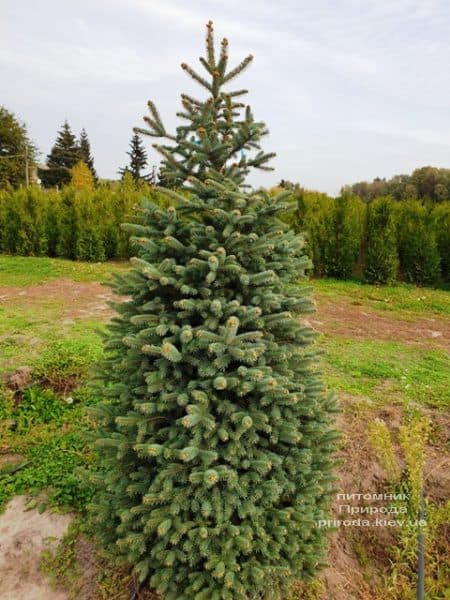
70 223
383 240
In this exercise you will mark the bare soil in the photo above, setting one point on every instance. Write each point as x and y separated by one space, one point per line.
81 299
343 318
23 537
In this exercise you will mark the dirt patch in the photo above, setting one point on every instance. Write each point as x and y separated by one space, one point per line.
81 299
22 539
342 318
90 300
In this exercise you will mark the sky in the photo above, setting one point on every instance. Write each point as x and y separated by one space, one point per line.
350 90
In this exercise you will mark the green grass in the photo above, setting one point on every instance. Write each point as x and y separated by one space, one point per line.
25 336
46 431
402 300
25 270
387 371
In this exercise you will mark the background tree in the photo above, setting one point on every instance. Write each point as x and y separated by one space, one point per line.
440 219
15 150
214 439
85 153
63 156
138 159
344 233
428 184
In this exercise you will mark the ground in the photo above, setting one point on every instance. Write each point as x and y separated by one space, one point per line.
385 352
23 535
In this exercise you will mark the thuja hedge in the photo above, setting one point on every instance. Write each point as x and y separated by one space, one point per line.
382 241
78 225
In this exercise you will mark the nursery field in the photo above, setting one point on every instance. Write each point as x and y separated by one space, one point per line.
386 352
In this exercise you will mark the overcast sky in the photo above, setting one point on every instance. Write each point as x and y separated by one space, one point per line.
350 90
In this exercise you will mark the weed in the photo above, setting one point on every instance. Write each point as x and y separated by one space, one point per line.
400 584
38 406
47 432
309 590
413 440
380 438
51 467
65 364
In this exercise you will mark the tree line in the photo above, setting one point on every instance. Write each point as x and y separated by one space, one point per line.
77 222
18 156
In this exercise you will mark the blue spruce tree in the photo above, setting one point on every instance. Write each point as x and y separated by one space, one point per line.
215 438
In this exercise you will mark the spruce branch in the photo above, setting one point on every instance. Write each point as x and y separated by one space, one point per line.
210 44
238 69
196 76
206 65
222 65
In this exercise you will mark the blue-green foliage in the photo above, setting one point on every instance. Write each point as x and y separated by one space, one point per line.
215 435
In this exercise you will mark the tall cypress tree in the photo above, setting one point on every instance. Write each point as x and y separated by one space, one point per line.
138 159
215 437
85 153
63 156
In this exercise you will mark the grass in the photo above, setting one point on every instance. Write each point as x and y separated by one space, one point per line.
402 300
25 331
385 371
45 432
24 270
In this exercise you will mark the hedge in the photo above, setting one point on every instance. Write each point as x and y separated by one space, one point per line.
79 225
381 255
382 240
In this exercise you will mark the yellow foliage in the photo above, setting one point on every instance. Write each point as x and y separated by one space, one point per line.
81 177
381 440
413 439
273 191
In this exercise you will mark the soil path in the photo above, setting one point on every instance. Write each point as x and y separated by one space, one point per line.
342 318
90 300
22 540
81 299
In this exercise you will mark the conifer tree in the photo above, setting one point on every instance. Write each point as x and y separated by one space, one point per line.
215 436
16 150
63 156
138 159
85 153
